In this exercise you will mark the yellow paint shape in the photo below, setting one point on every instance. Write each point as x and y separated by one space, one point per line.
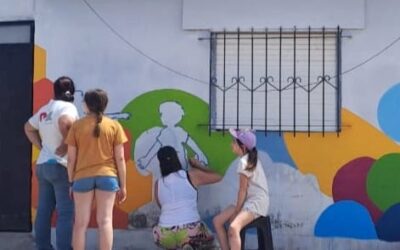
33 213
324 156
139 188
35 153
39 64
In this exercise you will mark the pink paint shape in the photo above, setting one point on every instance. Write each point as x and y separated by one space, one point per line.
350 184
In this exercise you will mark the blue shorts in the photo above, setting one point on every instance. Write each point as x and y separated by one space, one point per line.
104 183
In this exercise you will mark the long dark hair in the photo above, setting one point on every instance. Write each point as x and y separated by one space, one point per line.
64 89
169 161
96 101
252 156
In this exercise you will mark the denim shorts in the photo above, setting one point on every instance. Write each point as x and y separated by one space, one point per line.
104 183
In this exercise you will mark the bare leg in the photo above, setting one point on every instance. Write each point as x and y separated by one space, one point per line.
83 207
104 208
241 220
219 221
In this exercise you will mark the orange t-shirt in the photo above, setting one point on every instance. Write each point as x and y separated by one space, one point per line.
95 155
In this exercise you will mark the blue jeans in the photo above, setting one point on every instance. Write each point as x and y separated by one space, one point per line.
53 194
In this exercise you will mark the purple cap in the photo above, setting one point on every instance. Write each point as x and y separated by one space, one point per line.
245 136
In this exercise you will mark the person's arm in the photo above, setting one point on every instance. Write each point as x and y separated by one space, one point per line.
200 175
72 153
200 155
64 124
144 161
242 193
33 135
121 166
156 194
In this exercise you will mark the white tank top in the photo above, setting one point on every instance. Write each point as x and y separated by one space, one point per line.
178 200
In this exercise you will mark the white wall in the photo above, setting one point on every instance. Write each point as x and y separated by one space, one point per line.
261 14
80 45
11 10
371 80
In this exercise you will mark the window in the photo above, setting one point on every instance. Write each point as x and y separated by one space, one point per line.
284 80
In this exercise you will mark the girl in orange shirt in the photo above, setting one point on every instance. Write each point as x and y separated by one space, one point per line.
96 168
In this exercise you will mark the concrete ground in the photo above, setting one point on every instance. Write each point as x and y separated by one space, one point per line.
142 240
123 240
16 241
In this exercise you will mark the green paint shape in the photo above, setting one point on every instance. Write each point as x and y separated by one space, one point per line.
383 181
145 115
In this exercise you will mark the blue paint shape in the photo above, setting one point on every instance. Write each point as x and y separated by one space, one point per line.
275 146
345 219
389 112
388 226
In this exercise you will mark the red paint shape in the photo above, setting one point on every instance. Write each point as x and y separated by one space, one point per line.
120 219
42 93
127 145
35 187
350 184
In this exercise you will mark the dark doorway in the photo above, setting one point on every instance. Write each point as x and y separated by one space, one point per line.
16 76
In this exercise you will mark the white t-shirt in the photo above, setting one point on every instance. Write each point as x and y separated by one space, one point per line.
46 121
257 199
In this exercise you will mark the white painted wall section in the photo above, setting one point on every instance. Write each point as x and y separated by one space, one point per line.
260 14
13 10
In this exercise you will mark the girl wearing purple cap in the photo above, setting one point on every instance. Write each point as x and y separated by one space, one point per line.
252 200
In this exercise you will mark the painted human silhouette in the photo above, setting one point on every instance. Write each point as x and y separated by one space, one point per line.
171 134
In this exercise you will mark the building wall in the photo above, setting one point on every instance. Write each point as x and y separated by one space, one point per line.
11 10
259 14
332 192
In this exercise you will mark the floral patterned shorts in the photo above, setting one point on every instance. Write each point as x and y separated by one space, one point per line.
194 234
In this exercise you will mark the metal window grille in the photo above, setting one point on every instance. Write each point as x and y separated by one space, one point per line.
282 80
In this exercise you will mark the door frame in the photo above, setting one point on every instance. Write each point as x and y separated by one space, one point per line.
31 41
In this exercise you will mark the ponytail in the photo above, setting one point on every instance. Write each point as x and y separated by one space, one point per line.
96 101
64 89
252 159
252 156
99 118
67 96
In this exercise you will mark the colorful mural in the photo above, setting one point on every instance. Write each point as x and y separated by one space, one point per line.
389 112
185 126
326 186
170 134
360 170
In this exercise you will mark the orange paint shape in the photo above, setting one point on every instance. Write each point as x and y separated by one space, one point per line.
139 188
33 214
39 63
